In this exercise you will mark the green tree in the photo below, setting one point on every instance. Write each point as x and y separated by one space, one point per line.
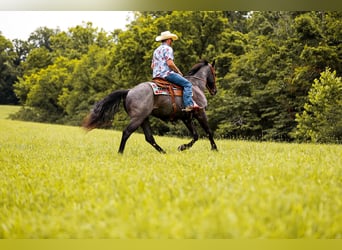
8 73
37 59
131 58
21 49
41 38
237 20
76 41
88 83
321 120
268 83
40 92
58 73
199 33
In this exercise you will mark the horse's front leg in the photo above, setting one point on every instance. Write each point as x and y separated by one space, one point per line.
189 123
201 117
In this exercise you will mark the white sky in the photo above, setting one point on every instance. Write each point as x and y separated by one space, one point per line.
20 24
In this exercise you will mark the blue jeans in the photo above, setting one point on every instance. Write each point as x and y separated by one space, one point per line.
187 87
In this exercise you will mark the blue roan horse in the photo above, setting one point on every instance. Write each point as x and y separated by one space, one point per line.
140 102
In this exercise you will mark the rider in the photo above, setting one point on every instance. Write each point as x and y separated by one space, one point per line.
164 67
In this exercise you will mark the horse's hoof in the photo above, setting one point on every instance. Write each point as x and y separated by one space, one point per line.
181 148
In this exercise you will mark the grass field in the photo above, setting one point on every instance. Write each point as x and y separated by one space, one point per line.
59 182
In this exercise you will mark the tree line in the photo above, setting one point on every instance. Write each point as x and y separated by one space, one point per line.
278 72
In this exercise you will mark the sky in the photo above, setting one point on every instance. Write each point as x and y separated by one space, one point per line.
20 24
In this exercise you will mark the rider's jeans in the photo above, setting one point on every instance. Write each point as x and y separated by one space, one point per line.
187 87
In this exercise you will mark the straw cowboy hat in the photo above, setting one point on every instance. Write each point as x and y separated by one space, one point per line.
166 35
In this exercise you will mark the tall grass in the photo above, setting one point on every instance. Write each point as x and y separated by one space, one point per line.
5 111
59 182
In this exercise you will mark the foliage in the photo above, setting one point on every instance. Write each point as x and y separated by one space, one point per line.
266 63
43 91
58 182
321 120
268 83
8 72
87 84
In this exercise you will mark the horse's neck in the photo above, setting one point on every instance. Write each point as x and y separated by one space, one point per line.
199 79
199 96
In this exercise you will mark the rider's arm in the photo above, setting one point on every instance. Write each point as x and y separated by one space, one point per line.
173 66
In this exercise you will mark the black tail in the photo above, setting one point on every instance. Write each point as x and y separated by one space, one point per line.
103 112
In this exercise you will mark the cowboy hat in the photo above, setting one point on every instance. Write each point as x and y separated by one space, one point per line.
166 35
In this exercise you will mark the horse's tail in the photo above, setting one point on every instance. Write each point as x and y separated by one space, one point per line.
103 111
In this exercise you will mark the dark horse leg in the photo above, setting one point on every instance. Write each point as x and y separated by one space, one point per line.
189 123
201 117
149 137
132 126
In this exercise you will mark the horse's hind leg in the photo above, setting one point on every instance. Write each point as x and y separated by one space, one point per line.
132 126
149 137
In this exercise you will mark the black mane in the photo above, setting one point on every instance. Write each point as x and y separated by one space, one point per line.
197 66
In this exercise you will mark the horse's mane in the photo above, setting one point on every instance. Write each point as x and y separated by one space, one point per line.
197 66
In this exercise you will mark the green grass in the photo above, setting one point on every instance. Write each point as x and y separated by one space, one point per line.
5 111
59 182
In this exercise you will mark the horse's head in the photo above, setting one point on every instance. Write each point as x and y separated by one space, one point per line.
211 79
204 72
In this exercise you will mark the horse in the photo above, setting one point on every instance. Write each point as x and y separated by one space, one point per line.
140 103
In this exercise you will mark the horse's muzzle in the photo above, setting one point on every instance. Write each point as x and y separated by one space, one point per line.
213 91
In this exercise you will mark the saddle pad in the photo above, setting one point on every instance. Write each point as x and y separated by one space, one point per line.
164 91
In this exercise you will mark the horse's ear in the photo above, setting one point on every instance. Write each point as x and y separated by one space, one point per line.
213 64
